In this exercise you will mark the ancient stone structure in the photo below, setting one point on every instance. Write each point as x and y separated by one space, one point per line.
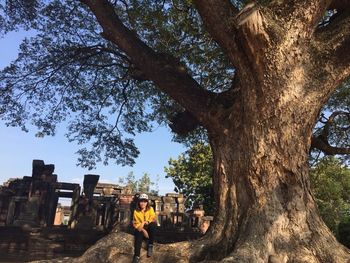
97 206
32 201
30 204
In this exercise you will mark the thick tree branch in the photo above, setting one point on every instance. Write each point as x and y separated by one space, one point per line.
317 142
217 16
321 141
332 45
245 35
165 71
300 17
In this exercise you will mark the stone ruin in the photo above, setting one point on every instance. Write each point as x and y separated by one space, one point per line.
33 203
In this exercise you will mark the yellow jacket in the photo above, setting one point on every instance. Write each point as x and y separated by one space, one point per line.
141 216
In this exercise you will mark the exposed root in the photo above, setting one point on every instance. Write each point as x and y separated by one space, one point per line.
118 247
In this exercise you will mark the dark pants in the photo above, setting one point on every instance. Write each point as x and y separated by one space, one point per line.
151 229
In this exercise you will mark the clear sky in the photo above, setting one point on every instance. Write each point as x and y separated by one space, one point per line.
18 149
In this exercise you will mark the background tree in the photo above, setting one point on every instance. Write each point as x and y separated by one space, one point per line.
330 181
192 174
141 185
145 185
130 181
248 73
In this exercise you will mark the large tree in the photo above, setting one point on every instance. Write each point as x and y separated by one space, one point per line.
255 75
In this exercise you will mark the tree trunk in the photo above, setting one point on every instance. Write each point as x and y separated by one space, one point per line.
265 209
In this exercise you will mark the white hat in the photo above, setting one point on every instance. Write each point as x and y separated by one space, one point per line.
143 197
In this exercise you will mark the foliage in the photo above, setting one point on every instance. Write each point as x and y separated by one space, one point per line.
15 14
69 73
330 181
142 185
192 174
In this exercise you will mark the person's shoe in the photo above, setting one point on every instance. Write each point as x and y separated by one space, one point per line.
136 259
150 251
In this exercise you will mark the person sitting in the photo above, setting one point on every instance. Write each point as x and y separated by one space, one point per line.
144 223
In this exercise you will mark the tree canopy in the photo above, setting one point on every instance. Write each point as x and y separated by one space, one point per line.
68 73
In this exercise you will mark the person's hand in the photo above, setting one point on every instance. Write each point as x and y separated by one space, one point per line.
145 233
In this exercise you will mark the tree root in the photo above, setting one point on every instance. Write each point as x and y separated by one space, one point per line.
118 247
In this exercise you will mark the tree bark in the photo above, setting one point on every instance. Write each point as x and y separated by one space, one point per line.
265 209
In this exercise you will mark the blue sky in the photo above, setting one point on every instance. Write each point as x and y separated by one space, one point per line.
18 149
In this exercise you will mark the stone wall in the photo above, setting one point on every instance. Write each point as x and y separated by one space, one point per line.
23 244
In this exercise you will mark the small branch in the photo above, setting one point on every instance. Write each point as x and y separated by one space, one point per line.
330 122
121 107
